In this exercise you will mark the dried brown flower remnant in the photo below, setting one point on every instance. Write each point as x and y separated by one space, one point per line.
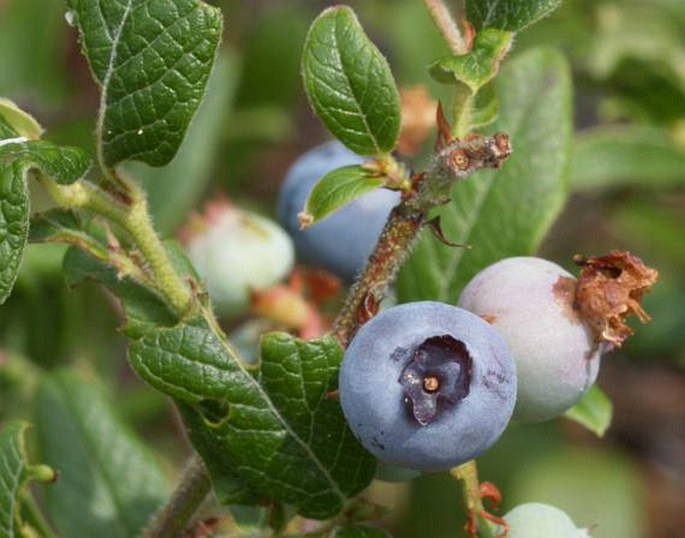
609 289
418 118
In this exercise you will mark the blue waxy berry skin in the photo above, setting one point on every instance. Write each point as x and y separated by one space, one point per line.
342 242
427 386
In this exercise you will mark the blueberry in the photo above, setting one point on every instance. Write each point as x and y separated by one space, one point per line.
342 242
537 520
427 386
529 301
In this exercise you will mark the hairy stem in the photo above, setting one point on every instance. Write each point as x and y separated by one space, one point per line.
394 244
193 487
457 160
127 208
448 26
86 195
167 278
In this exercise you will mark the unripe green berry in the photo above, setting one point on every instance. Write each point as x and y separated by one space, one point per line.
538 520
235 252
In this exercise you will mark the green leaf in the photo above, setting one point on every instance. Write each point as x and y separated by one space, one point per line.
144 308
594 411
486 107
109 483
337 189
479 66
14 222
22 122
152 59
617 156
8 132
506 212
349 83
15 472
17 159
511 15
57 226
275 435
64 164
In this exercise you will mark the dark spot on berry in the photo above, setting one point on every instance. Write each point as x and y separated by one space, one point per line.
495 377
377 444
438 375
400 354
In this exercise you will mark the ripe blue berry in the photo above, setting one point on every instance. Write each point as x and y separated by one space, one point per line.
342 242
529 301
537 520
427 386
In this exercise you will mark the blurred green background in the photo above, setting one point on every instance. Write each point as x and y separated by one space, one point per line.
627 191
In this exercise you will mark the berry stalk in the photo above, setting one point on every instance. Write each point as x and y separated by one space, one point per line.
454 160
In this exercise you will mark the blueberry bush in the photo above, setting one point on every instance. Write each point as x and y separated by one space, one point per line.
278 269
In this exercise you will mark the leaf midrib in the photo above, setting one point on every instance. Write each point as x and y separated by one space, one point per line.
269 404
106 80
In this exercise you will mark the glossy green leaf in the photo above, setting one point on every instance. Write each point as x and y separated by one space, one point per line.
626 155
14 221
15 472
349 83
270 435
337 189
594 411
479 66
110 483
18 158
504 212
152 59
511 15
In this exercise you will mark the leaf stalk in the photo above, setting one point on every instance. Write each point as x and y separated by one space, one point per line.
130 213
455 161
194 485
444 20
